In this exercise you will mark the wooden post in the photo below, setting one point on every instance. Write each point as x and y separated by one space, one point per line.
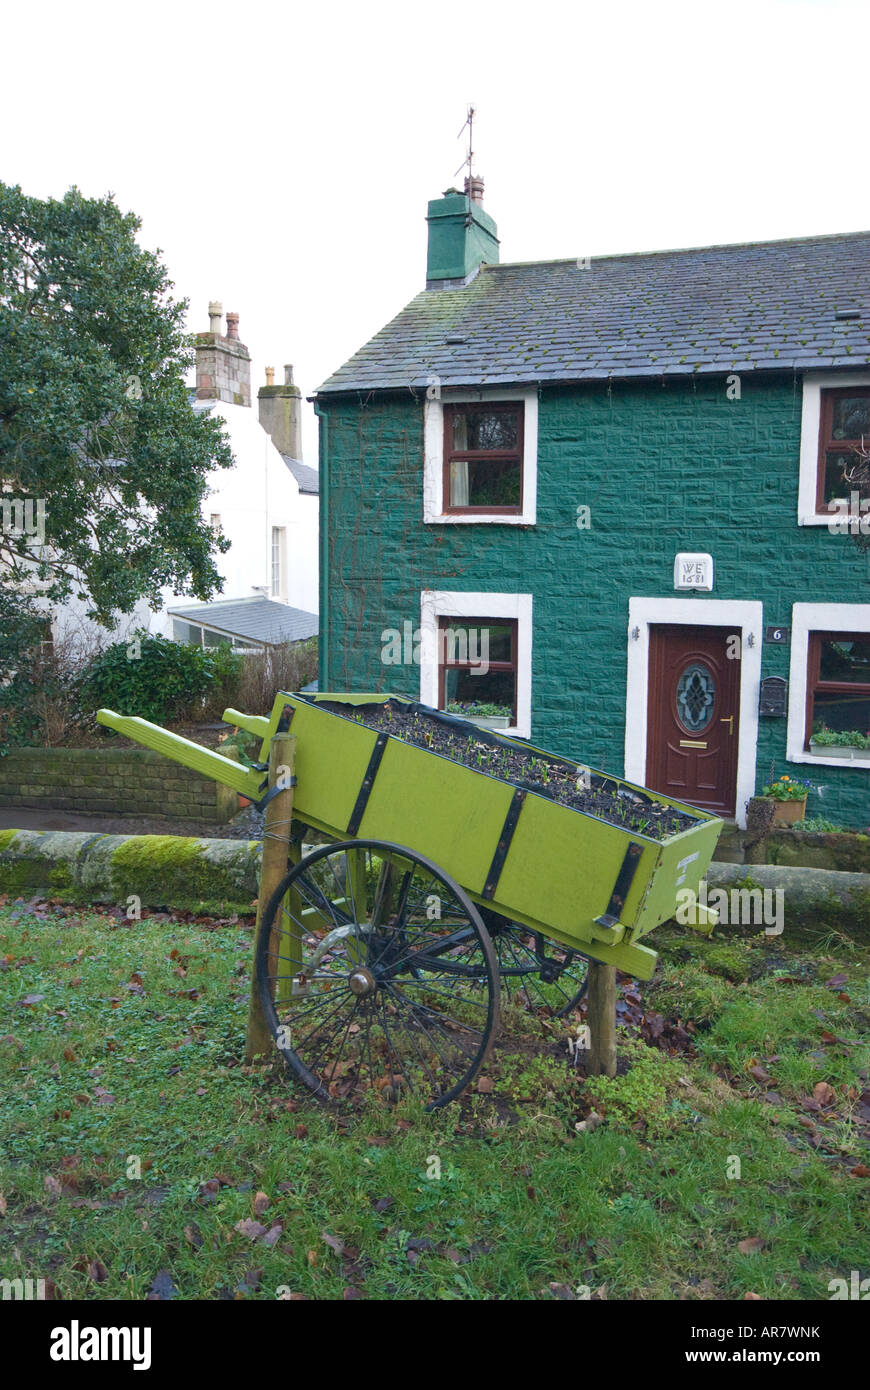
274 865
601 1016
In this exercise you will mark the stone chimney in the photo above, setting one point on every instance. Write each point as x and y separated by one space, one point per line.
223 363
281 413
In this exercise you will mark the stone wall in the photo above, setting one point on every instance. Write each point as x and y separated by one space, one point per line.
128 781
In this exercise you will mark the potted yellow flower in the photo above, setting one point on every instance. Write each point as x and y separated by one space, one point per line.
789 795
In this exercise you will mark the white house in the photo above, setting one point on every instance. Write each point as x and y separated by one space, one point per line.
267 506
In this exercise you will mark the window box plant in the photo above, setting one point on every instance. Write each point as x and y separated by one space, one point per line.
789 797
841 743
485 716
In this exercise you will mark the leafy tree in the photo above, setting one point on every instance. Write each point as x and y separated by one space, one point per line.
94 414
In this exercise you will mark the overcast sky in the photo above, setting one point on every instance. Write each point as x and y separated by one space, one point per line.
282 156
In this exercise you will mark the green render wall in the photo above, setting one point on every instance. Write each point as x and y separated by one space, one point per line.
664 467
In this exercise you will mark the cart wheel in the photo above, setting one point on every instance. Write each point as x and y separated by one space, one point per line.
376 974
536 972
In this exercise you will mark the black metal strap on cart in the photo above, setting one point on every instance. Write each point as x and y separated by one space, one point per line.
286 719
368 782
631 859
504 843
281 785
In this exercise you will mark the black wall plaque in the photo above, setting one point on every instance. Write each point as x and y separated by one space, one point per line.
771 704
777 634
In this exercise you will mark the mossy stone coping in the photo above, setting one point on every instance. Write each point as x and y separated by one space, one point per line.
161 870
174 871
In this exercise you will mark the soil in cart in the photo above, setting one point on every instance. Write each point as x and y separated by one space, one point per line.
544 774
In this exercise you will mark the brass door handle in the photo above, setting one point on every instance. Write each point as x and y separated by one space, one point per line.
730 722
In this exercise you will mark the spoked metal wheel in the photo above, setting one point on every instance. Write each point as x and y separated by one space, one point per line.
376 974
536 973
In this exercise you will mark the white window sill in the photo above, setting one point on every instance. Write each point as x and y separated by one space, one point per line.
480 518
814 758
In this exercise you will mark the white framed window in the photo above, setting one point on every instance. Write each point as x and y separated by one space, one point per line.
214 521
825 625
277 581
818 390
481 467
494 625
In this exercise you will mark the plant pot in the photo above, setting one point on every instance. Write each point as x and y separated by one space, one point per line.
491 721
833 750
789 812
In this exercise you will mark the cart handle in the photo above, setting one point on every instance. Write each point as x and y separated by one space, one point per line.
182 750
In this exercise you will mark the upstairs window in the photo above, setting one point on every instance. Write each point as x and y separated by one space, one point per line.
844 422
483 458
277 584
838 686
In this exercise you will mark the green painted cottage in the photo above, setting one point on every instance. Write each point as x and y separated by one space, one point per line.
609 504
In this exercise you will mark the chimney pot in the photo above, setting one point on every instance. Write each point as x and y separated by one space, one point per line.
270 376
288 374
474 189
232 326
215 314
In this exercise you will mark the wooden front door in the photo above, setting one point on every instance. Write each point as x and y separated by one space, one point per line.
694 709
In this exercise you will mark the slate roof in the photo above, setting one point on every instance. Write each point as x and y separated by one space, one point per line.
307 478
257 619
759 306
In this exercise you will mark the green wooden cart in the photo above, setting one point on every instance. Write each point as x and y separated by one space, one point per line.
423 891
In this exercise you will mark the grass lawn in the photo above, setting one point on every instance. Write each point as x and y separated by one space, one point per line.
139 1154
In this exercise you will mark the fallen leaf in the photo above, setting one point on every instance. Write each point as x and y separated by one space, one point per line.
751 1245
563 1292
824 1094
52 1186
162 1289
97 1272
260 1203
752 1297
30 999
333 1242
485 1085
193 1235
351 1293
252 1229
860 1171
